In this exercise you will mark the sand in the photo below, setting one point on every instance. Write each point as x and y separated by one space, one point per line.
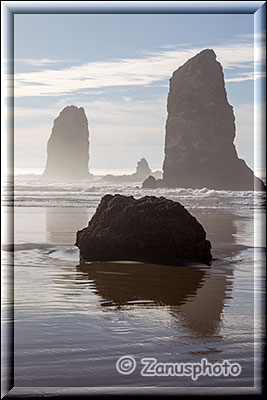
73 322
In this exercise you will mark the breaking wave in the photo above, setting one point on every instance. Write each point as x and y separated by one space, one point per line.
31 192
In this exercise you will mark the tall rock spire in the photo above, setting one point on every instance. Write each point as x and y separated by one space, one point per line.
68 147
200 131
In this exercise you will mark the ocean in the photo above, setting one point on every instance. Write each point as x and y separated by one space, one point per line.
72 323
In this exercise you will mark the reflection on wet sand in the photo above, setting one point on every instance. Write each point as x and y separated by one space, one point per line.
122 284
221 228
62 224
203 313
193 295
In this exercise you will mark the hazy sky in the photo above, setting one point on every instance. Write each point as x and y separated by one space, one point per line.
118 67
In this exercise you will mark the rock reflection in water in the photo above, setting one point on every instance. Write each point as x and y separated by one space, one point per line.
62 225
194 296
204 313
121 284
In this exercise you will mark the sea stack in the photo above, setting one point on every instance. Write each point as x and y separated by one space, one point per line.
68 147
200 131
141 173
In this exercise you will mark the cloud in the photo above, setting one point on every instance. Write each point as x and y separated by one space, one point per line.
246 76
255 36
24 112
150 68
37 62
125 111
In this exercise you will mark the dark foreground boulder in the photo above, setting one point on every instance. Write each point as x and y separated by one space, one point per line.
151 229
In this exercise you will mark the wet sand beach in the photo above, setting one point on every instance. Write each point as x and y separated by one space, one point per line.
73 322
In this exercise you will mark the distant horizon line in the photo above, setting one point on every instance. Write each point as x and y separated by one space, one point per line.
94 171
259 172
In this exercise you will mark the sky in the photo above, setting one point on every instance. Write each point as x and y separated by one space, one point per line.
118 68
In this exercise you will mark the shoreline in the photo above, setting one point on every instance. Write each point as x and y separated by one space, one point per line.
109 309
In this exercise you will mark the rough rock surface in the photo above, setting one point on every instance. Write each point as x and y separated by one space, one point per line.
200 131
68 147
151 229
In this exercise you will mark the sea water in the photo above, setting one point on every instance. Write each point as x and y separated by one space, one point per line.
72 323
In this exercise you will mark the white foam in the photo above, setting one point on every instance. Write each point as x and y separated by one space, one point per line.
32 192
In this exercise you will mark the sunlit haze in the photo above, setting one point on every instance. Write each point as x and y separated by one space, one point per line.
118 68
